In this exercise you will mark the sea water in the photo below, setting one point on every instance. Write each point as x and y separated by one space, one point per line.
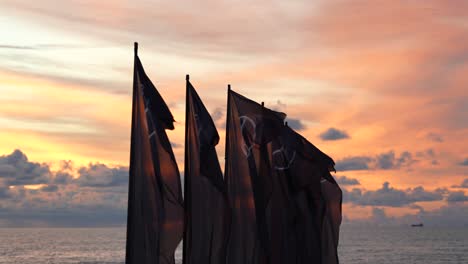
377 245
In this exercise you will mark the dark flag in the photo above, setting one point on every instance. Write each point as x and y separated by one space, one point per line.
249 129
206 208
313 199
155 205
326 207
332 199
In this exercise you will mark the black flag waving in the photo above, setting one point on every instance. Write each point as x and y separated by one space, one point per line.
328 218
250 126
206 208
155 206
313 199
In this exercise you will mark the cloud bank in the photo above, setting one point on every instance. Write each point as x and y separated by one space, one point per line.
32 194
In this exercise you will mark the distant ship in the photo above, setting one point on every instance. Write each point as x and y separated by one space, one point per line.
417 225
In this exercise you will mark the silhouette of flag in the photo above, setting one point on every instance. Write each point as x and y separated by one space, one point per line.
206 208
155 206
332 199
307 201
325 207
250 127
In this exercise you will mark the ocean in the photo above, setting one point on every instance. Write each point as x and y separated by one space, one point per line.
377 245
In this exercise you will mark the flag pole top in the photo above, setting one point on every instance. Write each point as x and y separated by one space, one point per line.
135 48
187 77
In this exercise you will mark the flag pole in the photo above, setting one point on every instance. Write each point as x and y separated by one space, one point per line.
226 167
128 246
187 209
227 127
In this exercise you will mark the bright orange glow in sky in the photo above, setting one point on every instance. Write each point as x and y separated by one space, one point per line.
380 86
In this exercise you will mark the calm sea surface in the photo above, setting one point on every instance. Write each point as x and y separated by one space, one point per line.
357 245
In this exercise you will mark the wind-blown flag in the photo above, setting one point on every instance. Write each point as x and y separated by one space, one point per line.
312 201
206 208
155 205
249 128
332 199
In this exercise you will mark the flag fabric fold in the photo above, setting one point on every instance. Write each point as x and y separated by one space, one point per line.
332 199
250 127
155 205
313 199
286 207
206 208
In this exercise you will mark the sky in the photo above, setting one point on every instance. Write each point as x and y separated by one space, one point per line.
380 86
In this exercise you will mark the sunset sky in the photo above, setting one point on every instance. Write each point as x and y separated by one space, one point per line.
380 86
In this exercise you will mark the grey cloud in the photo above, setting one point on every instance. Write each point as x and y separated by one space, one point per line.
99 175
427 154
383 161
16 169
66 165
295 124
279 106
464 162
464 184
353 163
388 196
343 180
418 194
333 134
435 137
388 160
430 153
443 191
459 196
98 197
49 188
218 114
4 191
67 205
62 177
219 117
